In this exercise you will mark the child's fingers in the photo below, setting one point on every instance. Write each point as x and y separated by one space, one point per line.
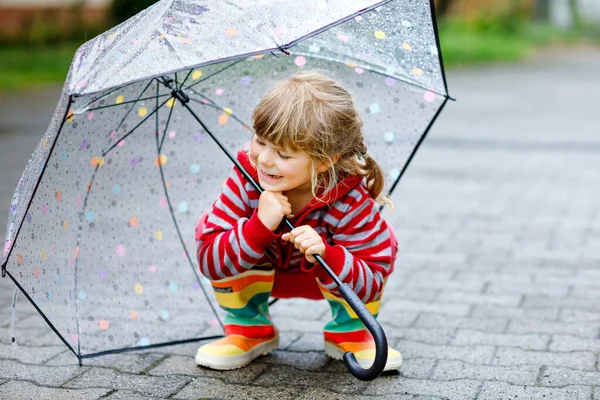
309 242
310 252
285 236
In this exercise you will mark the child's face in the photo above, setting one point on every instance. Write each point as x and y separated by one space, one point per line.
279 169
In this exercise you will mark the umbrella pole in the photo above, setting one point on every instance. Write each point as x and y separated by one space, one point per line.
381 346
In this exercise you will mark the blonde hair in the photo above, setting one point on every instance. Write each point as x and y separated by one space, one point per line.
312 113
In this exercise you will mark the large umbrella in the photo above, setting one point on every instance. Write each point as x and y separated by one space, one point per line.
101 227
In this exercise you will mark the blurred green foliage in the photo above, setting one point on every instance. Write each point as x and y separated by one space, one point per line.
24 67
121 10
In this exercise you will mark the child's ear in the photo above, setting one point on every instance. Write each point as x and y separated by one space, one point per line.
324 166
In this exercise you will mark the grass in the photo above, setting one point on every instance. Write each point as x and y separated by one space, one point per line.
25 67
462 44
481 42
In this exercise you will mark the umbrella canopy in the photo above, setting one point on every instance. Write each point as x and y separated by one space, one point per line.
100 236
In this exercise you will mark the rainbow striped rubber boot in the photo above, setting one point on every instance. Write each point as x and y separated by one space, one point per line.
249 332
347 333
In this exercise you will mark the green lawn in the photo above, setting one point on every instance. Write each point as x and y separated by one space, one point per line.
22 67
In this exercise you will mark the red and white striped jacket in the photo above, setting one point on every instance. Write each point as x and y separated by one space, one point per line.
358 246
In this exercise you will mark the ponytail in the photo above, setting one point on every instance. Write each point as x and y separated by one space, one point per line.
374 177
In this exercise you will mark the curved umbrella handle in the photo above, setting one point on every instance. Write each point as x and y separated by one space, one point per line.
381 345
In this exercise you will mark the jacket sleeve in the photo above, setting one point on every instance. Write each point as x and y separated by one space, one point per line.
360 250
233 239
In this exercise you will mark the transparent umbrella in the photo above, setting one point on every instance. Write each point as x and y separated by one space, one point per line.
100 234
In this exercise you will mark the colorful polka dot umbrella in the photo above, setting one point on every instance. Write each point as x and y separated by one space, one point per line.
100 236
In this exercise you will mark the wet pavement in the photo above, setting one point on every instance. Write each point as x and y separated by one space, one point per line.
496 293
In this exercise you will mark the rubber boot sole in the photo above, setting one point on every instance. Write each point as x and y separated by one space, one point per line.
225 363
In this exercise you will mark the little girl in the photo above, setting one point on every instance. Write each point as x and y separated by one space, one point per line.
307 153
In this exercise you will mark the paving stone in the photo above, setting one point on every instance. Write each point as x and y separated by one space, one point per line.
518 375
503 391
180 365
401 305
30 337
284 376
559 377
544 289
531 341
582 329
42 375
537 314
419 294
132 363
417 368
491 324
569 316
314 393
30 355
577 359
456 390
185 350
565 343
395 318
539 302
308 360
28 391
586 291
474 298
308 342
212 388
128 395
470 354
522 277
160 386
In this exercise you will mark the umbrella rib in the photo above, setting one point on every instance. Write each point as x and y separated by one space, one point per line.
412 154
130 109
217 72
105 152
82 214
369 68
50 324
437 43
125 102
37 185
107 93
150 346
335 23
186 78
162 140
185 249
214 104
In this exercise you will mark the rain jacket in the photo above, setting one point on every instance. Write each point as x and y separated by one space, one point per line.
358 246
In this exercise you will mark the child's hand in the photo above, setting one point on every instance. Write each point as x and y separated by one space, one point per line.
272 207
307 240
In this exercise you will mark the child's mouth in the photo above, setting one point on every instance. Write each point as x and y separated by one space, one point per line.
269 176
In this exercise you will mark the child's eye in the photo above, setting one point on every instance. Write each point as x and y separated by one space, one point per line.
284 156
260 142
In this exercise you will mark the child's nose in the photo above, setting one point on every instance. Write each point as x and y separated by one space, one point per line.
265 158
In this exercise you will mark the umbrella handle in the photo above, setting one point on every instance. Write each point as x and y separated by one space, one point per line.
381 346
